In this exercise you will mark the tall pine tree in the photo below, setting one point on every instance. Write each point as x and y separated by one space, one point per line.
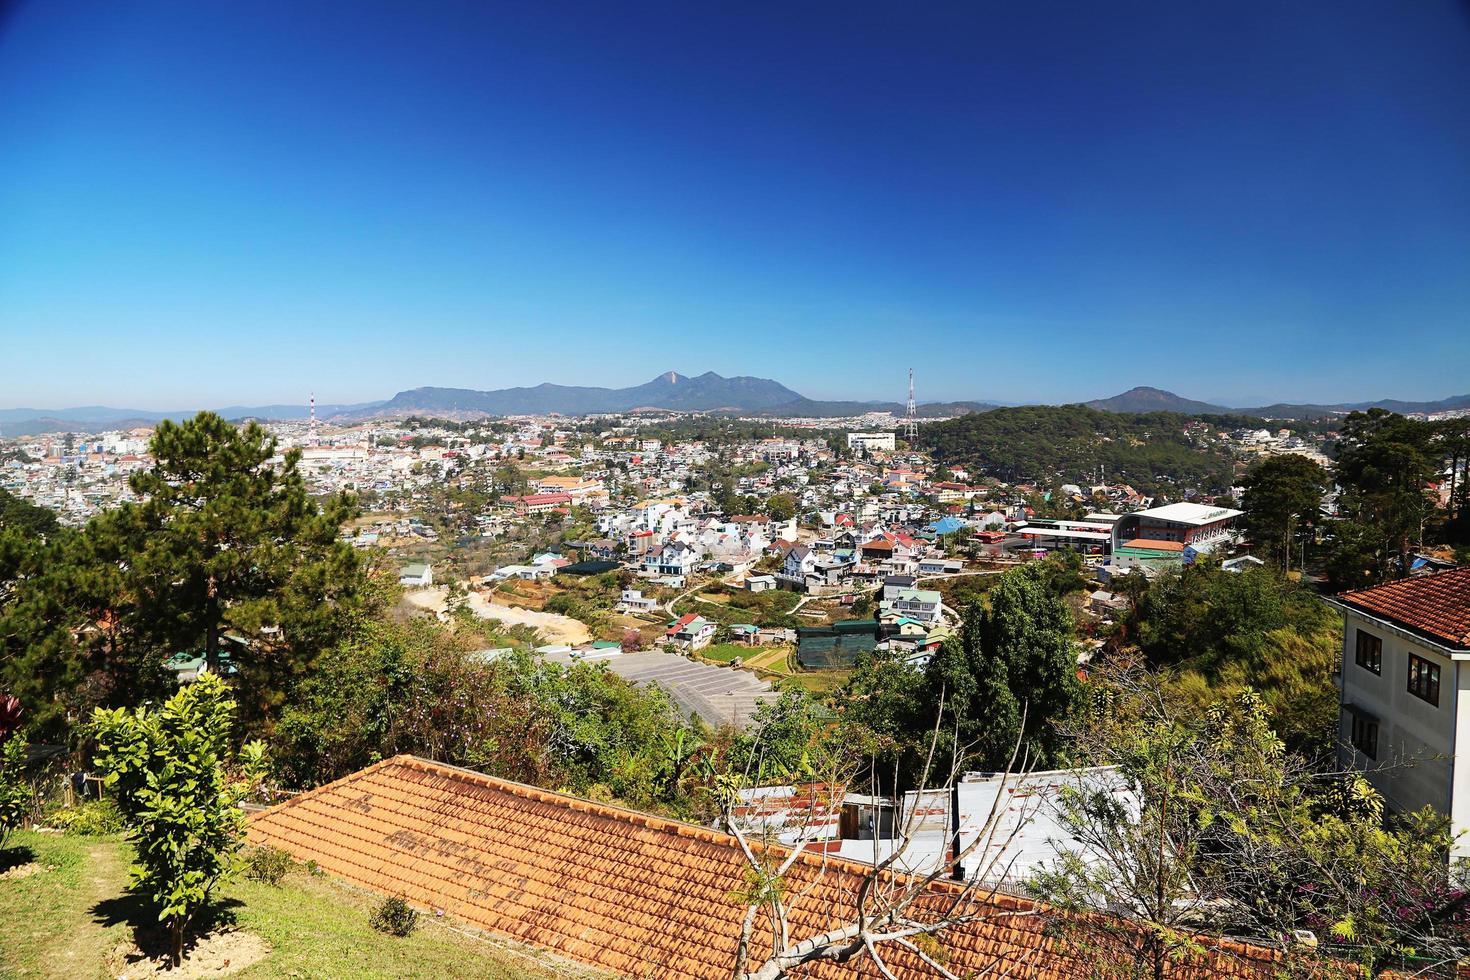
225 542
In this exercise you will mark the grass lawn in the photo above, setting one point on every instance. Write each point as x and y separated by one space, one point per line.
818 682
69 919
781 662
773 658
726 652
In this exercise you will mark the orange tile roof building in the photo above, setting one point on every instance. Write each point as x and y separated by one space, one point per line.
1405 684
632 893
1436 606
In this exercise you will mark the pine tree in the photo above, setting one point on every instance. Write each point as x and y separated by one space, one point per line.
225 541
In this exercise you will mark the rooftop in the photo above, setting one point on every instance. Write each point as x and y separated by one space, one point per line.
1437 605
1150 544
1194 515
613 888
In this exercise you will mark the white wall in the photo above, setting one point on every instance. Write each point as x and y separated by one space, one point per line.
1416 740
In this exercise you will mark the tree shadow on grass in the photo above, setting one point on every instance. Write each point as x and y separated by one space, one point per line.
150 935
15 857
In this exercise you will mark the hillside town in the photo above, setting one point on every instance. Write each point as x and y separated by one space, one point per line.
731 565
857 491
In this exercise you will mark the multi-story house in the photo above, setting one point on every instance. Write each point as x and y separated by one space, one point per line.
690 632
1405 715
923 605
675 560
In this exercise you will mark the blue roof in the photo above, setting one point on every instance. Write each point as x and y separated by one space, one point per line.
946 525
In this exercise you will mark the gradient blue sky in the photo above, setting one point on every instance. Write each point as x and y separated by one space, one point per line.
205 204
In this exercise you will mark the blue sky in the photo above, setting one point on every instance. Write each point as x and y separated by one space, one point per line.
211 204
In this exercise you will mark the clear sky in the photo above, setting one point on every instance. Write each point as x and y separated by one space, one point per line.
205 204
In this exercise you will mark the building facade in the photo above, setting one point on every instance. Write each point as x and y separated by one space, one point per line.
1405 716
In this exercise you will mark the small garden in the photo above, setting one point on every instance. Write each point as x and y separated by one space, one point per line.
156 879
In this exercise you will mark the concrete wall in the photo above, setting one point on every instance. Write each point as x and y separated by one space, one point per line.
1417 741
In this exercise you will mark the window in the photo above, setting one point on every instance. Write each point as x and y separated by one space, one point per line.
1370 652
1424 679
1365 735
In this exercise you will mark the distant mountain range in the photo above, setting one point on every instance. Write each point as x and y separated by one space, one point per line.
1145 399
669 392
99 418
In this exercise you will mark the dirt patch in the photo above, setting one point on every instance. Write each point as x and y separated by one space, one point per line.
24 870
553 627
215 955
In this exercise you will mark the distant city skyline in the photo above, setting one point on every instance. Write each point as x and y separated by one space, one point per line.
1243 204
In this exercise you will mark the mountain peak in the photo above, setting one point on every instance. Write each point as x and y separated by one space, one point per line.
1147 399
671 391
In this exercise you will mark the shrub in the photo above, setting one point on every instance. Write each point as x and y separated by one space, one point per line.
91 819
394 916
15 793
175 779
267 864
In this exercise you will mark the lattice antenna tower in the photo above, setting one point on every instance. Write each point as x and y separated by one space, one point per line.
311 425
911 415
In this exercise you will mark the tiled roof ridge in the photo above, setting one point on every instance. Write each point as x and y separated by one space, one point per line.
649 821
333 785
1457 570
682 828
1419 587
1003 902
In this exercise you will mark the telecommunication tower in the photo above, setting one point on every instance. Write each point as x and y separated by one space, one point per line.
311 424
911 416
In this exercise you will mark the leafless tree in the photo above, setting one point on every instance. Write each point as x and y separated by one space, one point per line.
1228 834
897 904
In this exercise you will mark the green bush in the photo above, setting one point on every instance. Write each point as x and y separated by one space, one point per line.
267 864
394 916
15 792
93 819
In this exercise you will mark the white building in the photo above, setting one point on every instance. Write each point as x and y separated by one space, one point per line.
871 441
923 605
416 576
1019 816
633 600
1406 693
1197 526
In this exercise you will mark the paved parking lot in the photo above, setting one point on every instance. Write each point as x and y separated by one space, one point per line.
716 694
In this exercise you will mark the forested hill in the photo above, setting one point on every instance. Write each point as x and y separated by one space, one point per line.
1050 444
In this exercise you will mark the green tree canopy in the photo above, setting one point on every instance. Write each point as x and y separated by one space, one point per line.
1384 464
1218 632
225 541
1282 493
1009 676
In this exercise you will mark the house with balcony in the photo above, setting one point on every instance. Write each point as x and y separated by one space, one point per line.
674 562
634 601
922 605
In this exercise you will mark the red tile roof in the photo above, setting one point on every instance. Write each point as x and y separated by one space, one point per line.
1437 605
543 498
629 892
1153 544
680 623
